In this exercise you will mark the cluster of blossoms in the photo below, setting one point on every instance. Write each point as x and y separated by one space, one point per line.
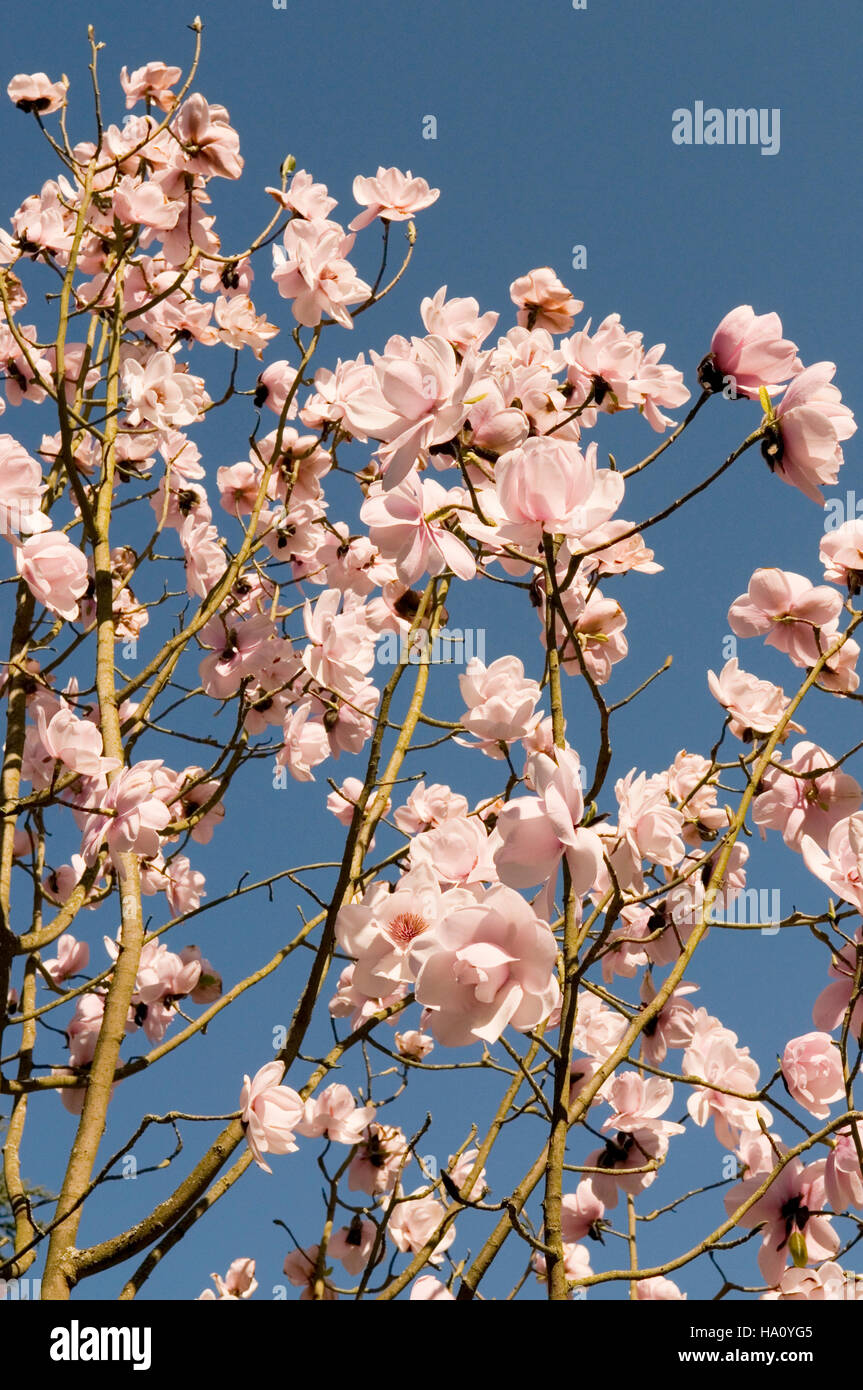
519 918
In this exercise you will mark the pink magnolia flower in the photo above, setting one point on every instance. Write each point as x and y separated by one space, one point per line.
785 608
755 706
805 805
160 394
301 1267
413 1045
841 865
352 1245
241 326
500 703
830 1006
414 1219
83 1030
486 966
314 272
581 1210
54 570
750 348
21 490
457 320
305 743
542 484
543 301
647 823
153 81
380 931
209 984
804 447
623 1153
658 1289
406 524
138 817
841 554
672 1027
536 832
427 806
72 957
336 1115
379 1160
274 383
812 1068
210 146
427 1289
418 400
829 1282
459 851
305 197
598 1028
638 1103
392 196
36 92
77 743
576 1264
270 1113
713 1055
791 1205
843 1179
239 1282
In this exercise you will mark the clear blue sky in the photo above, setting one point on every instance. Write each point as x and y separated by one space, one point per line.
554 129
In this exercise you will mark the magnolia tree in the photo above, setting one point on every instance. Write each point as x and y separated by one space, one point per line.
543 935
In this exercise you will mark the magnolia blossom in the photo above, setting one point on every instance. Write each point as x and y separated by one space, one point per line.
352 1245
335 1115
714 1055
74 742
843 1178
270 1113
427 806
785 609
840 866
240 1281
500 703
789 1209
153 82
459 851
543 301
427 1289
414 1219
812 1068
314 272
406 525
804 447
208 144
301 1269
829 1282
161 394
536 832
54 570
658 1289
379 932
841 554
138 816
72 957
392 196
801 804
755 706
36 92
580 1213
749 348
542 484
638 1104
457 320
486 966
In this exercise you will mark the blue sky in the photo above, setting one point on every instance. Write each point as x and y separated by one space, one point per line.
553 129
